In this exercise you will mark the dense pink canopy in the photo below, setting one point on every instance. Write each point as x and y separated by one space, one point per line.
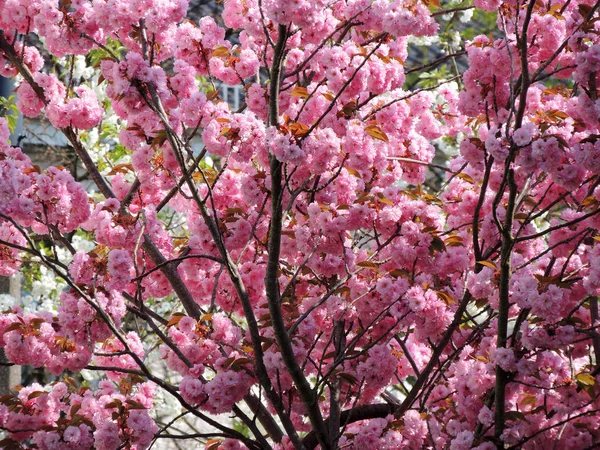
323 291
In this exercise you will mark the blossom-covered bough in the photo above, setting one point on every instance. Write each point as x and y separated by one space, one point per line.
295 272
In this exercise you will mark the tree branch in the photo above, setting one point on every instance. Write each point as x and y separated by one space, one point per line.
274 247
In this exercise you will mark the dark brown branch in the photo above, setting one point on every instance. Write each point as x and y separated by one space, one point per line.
261 372
407 96
557 424
355 414
375 411
504 305
558 227
476 213
436 62
451 10
272 271
148 246
344 25
169 269
563 45
435 356
177 260
83 155
381 37
135 186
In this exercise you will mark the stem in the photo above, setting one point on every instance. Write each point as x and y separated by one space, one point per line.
261 372
274 247
504 305
435 357
508 239
169 269
476 214
354 415
339 343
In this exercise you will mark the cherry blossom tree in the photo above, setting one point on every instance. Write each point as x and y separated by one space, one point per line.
296 271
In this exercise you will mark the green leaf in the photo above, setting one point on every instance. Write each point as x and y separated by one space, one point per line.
376 132
515 416
132 404
585 379
174 320
436 246
368 265
299 91
348 378
213 444
489 264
